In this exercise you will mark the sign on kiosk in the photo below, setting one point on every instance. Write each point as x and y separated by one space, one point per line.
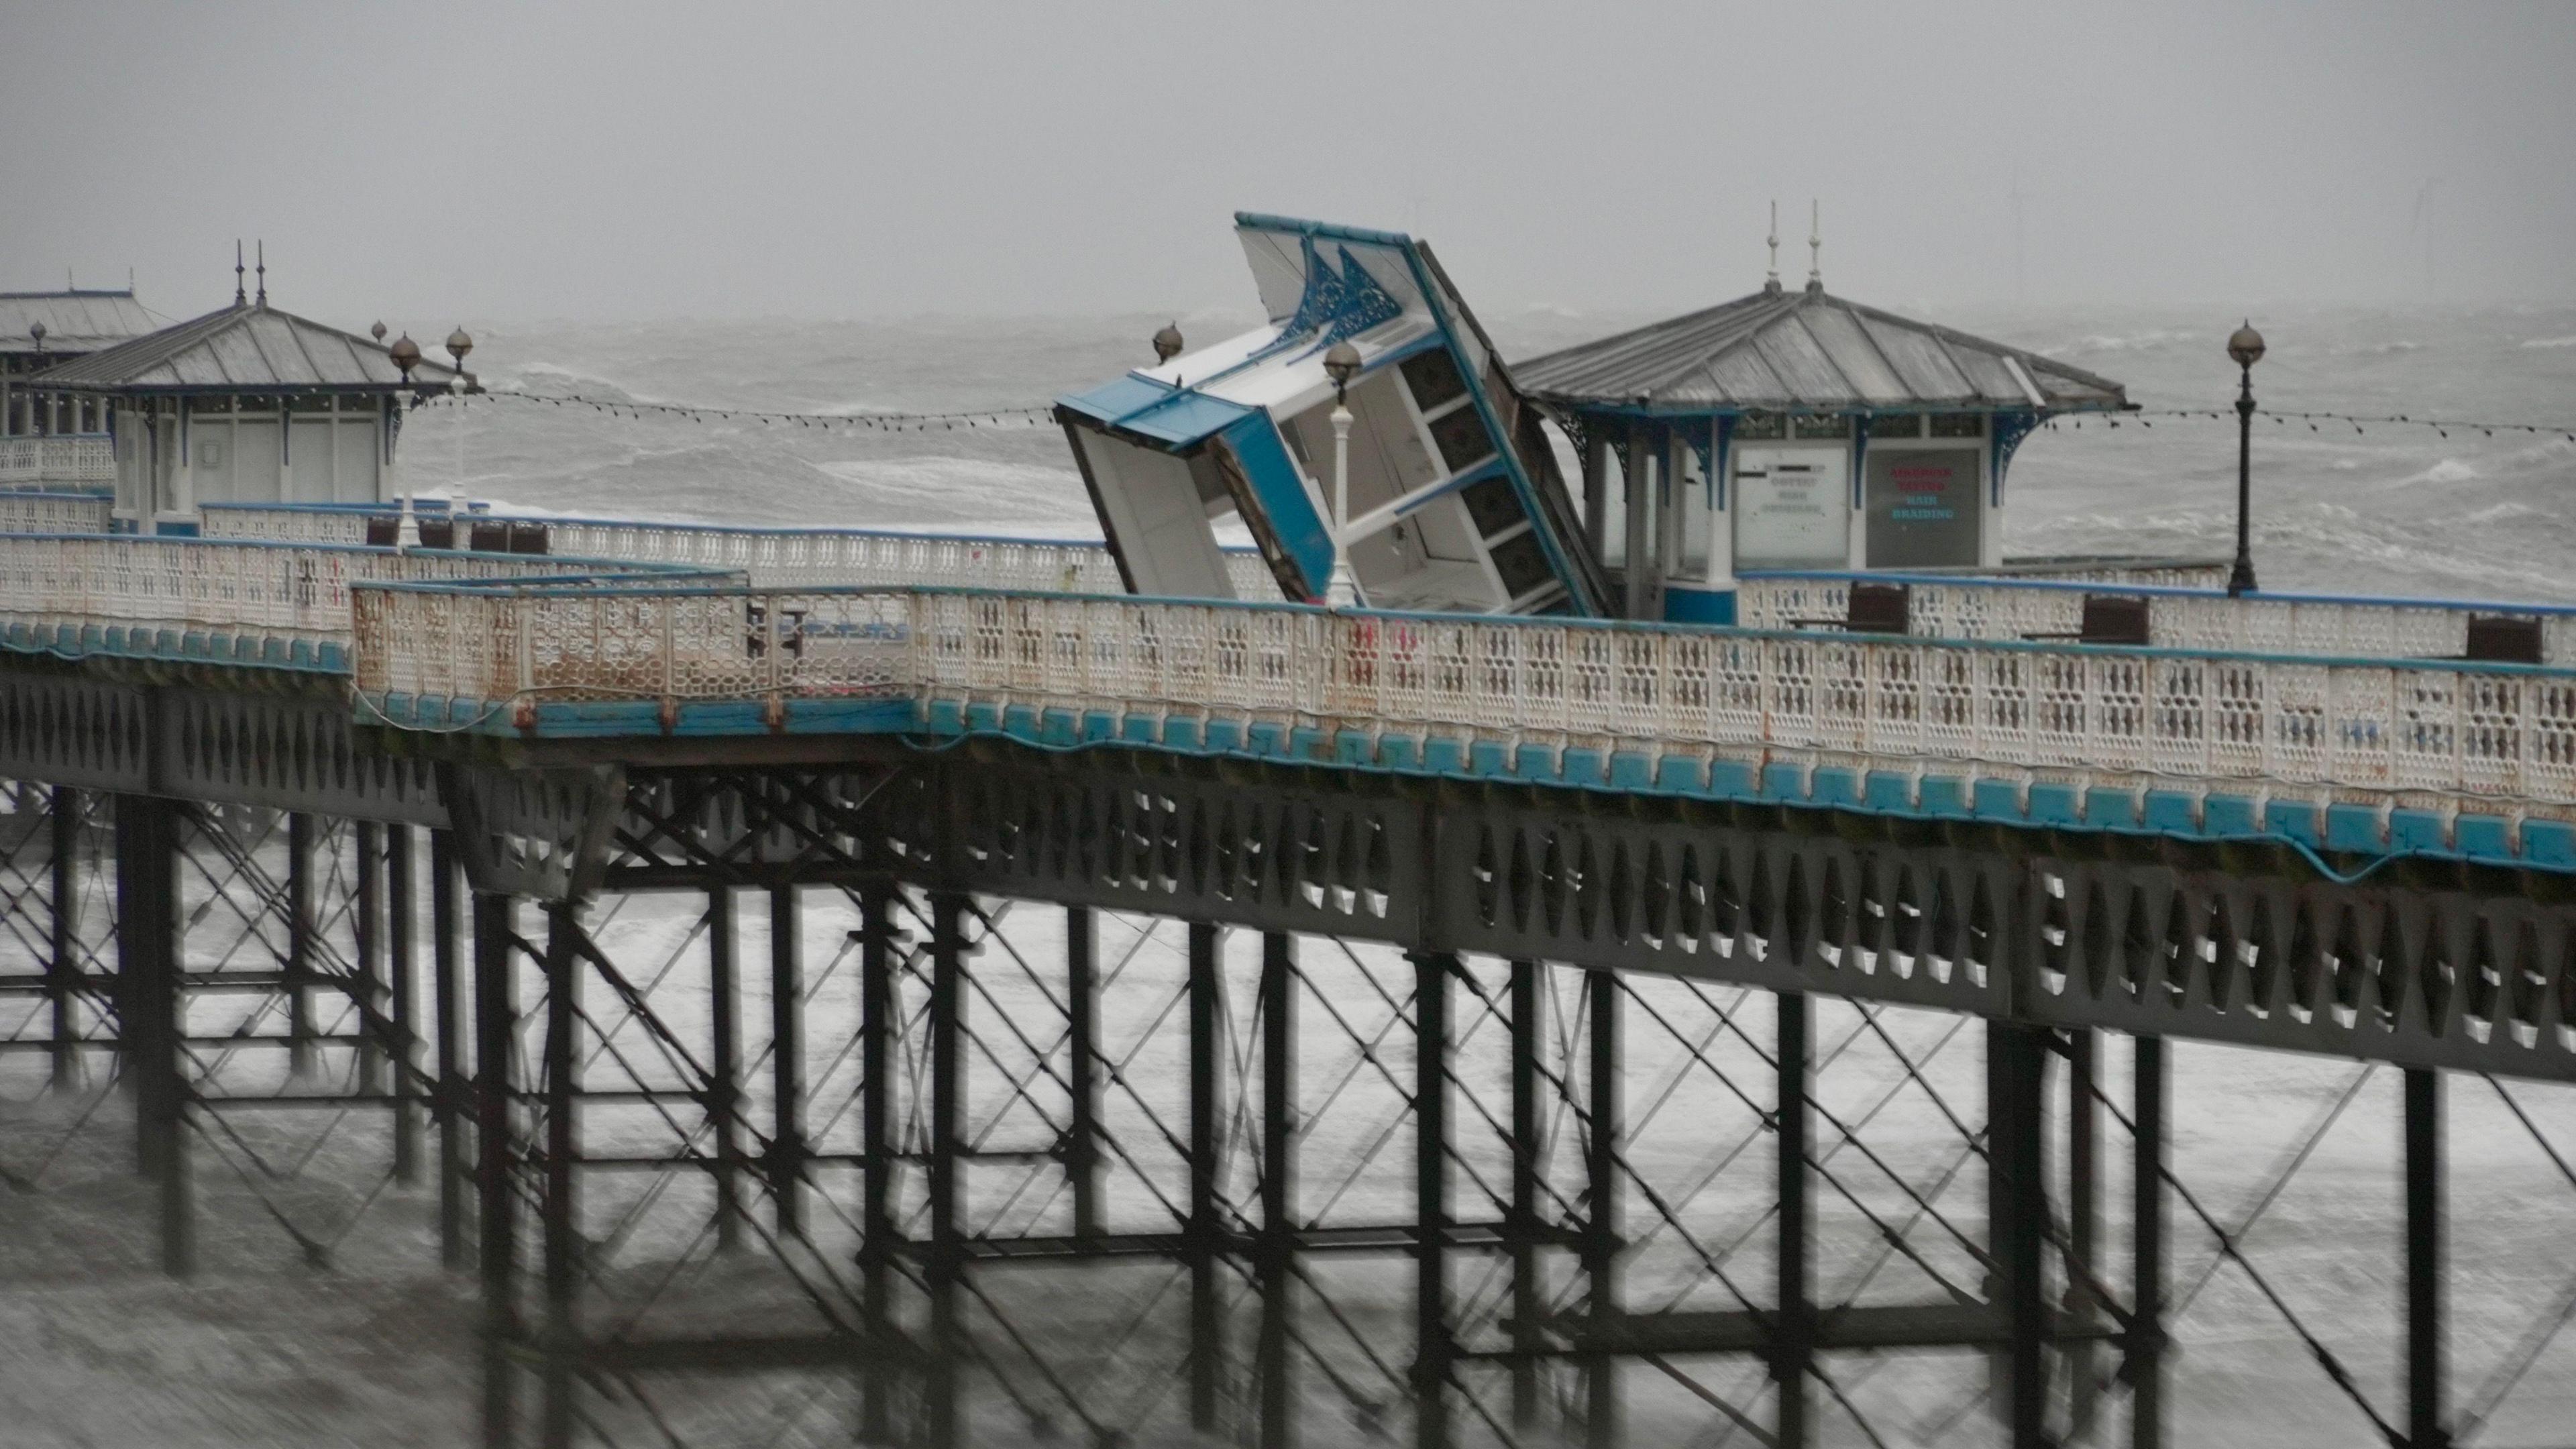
1792 508
1922 508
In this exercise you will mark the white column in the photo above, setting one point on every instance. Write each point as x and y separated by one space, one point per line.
1856 495
1721 509
183 478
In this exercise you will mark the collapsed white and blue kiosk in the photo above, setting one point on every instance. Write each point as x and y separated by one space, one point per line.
1455 504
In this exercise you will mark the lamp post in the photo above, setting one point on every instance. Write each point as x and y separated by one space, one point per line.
1341 364
2246 346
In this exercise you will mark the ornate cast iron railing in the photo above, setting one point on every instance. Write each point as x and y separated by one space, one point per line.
51 512
2176 618
61 459
74 590
2442 729
809 557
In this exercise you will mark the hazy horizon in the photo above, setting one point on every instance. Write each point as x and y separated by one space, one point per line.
802 160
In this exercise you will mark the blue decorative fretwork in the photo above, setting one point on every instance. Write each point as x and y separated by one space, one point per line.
1338 303
2009 430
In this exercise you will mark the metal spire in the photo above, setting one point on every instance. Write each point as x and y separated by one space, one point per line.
240 294
263 273
1771 280
1815 247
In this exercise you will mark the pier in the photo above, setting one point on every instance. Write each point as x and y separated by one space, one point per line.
1693 946
1398 901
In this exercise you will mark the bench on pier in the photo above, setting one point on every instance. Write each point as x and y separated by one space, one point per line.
2503 639
1870 609
498 535
2107 619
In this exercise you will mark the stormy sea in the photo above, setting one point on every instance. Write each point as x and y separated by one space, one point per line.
345 1331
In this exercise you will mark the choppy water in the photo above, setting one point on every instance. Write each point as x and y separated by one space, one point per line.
96 1349
2390 508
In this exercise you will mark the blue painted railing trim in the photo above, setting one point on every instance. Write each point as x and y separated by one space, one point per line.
2203 815
1989 581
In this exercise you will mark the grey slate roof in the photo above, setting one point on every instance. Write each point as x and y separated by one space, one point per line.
245 347
1807 350
75 322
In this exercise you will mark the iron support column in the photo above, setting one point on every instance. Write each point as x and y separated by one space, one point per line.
149 927
1206 991
2425 1427
1600 1249
947 1128
724 1090
400 963
876 1115
1528 1040
62 954
2145 1350
495 1025
1431 1346
300 927
1278 1185
787 1060
1082 1073
447 1019
2017 1195
1793 1334
2083 1223
562 1240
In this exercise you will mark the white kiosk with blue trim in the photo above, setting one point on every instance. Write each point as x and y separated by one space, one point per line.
1453 504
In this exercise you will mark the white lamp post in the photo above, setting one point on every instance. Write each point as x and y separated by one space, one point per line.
1342 363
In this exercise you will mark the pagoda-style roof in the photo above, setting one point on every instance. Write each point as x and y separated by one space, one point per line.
75 322
248 347
1808 351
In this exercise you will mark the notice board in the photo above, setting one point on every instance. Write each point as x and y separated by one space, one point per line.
1923 506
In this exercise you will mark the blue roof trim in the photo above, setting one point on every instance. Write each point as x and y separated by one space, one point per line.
1156 411
1263 221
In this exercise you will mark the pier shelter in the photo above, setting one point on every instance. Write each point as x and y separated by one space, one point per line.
1450 505
39 330
1793 429
57 442
248 404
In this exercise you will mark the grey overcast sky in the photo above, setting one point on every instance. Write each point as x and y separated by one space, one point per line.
640 160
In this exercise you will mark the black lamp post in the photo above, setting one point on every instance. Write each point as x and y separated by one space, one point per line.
2246 346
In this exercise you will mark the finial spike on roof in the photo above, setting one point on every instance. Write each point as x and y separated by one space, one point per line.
263 272
1771 279
1815 246
240 293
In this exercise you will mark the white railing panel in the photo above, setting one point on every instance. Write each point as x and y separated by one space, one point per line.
2025 609
56 512
779 558
85 459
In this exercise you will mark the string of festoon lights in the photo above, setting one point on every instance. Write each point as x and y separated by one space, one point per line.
1024 416
2316 422
882 422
